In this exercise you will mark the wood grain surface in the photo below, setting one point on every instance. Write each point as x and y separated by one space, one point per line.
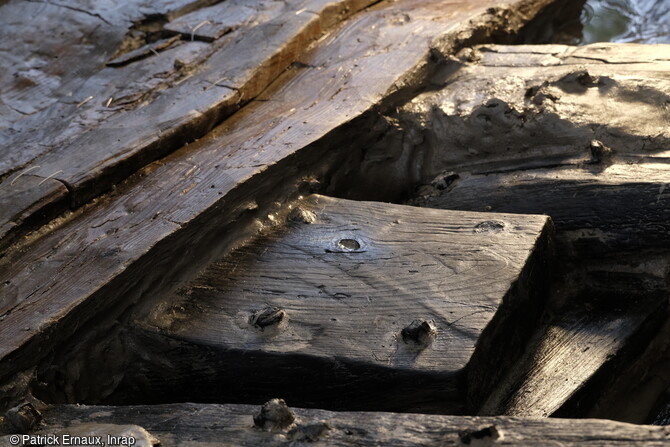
233 425
552 139
331 302
597 209
176 214
126 115
576 356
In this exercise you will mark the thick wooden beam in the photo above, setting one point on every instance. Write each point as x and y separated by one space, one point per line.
153 100
496 108
371 305
577 355
175 215
552 140
195 425
597 208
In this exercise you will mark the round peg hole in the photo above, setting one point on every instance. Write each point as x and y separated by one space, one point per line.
349 244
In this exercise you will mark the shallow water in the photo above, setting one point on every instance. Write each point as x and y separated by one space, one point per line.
641 21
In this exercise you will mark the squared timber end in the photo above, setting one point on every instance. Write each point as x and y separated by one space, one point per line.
358 298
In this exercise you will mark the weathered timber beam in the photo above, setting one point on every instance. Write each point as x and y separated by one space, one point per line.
597 209
370 305
123 117
574 358
195 425
175 215
541 129
500 108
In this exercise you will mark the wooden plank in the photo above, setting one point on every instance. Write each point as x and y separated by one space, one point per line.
211 23
361 300
585 203
40 86
662 416
575 357
39 200
500 108
639 393
217 425
113 132
186 210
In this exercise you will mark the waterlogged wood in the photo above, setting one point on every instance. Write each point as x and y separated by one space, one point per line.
116 250
42 78
500 108
142 53
108 130
578 354
39 200
363 301
195 425
211 23
597 208
602 179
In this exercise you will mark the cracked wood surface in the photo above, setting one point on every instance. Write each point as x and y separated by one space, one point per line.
339 284
103 125
45 78
128 244
195 425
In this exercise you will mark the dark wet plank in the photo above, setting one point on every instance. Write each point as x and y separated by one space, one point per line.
173 216
575 357
217 425
596 208
363 302
639 393
38 200
117 121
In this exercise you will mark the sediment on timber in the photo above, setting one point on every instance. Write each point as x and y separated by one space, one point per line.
521 268
263 161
